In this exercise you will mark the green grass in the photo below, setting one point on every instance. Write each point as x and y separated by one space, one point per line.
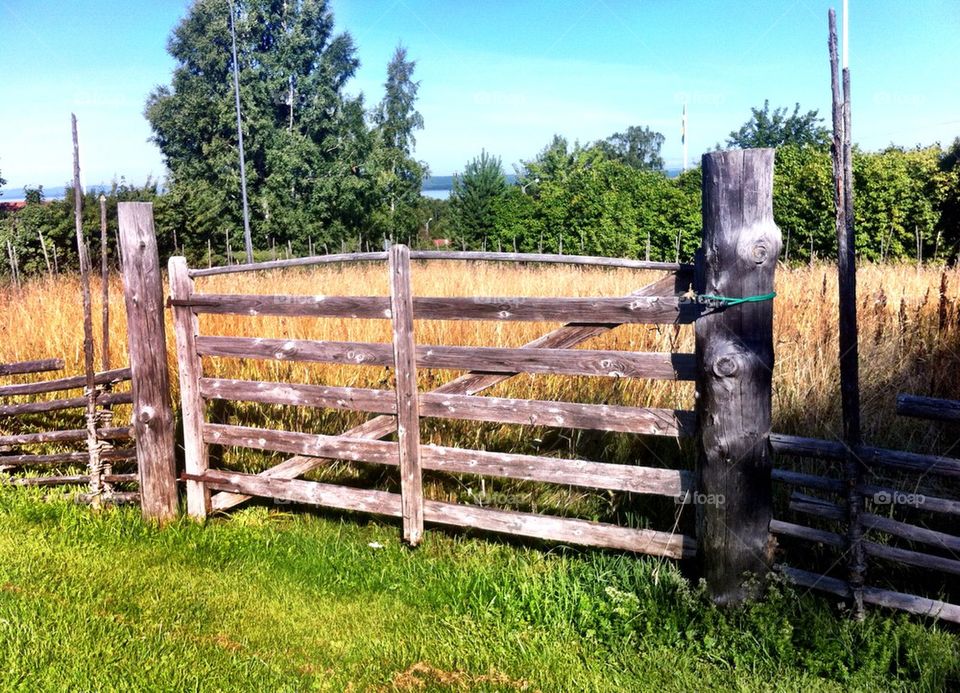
274 601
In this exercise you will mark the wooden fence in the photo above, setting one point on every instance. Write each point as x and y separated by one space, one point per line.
102 436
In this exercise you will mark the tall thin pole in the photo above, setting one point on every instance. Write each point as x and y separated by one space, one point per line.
847 283
105 286
93 447
247 240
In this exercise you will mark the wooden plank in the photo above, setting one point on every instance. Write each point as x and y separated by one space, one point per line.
76 479
734 345
910 532
64 436
913 604
928 408
72 383
488 359
23 367
521 524
796 531
565 337
808 480
186 329
146 339
113 455
865 454
601 417
284 264
914 558
109 399
572 472
914 499
628 309
407 401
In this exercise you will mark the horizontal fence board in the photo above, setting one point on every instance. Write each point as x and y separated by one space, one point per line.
65 436
109 455
24 367
283 264
72 479
893 459
451 514
587 260
71 383
104 400
601 417
928 408
910 603
807 480
486 359
616 477
652 310
914 558
914 533
913 499
796 531
115 497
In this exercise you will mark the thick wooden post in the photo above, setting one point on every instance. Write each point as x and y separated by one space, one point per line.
185 327
734 345
408 407
146 342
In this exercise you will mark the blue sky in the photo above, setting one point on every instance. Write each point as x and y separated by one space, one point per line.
499 75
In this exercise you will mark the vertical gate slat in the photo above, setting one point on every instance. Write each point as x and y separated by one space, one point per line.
185 328
408 408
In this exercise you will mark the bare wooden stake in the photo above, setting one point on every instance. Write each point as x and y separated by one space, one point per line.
408 411
14 275
46 256
104 287
734 347
93 445
847 287
150 379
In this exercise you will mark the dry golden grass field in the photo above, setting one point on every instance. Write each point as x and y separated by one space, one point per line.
909 343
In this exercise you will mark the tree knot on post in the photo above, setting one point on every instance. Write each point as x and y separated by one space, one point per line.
146 414
726 366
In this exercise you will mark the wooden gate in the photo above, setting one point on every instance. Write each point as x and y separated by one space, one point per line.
399 411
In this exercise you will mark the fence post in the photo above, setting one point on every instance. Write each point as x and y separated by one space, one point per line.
185 328
146 343
734 346
408 406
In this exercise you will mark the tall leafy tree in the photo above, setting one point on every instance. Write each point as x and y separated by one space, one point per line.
637 147
307 145
475 199
399 175
777 128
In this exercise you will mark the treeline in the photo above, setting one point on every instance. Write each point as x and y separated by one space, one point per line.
328 173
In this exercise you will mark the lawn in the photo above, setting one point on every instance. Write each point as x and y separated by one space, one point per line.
272 600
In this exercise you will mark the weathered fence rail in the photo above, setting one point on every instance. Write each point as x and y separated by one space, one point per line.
401 408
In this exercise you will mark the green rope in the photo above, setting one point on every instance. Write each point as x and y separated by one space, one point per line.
727 301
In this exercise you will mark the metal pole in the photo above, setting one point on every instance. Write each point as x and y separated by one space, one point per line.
247 240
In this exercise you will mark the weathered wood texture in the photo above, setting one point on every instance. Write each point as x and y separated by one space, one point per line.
24 367
446 255
71 479
110 399
929 408
627 309
601 417
72 383
407 401
741 245
186 329
113 455
485 519
488 359
152 412
920 606
66 436
565 337
615 477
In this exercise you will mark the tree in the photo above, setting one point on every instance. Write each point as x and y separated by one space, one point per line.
307 144
475 199
638 147
400 176
766 129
